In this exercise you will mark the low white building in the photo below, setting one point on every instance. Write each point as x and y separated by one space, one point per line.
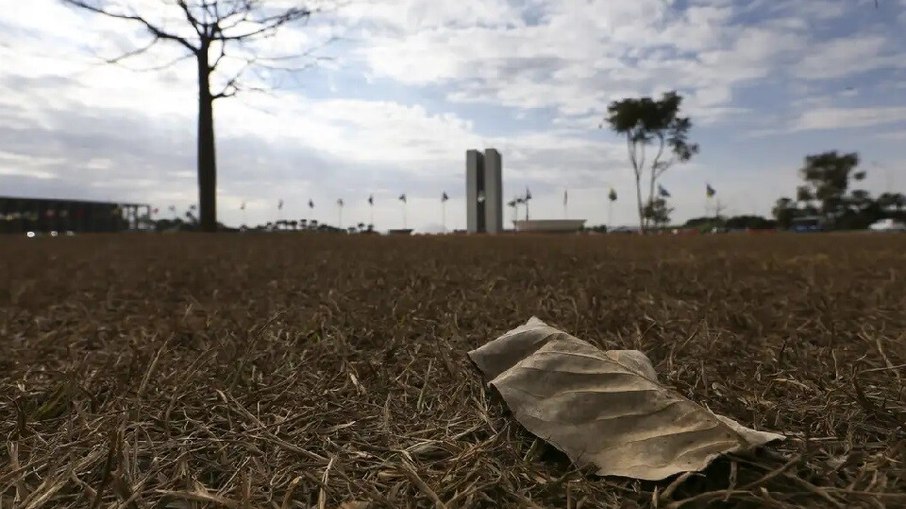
549 225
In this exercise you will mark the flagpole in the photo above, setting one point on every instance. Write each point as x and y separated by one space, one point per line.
609 213
565 205
443 214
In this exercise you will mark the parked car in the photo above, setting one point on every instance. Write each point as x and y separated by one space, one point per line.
887 225
807 224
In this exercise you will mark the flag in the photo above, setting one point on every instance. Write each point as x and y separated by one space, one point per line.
662 192
565 197
613 194
403 197
528 194
280 204
340 202
311 204
710 191
444 197
370 199
511 203
172 208
242 207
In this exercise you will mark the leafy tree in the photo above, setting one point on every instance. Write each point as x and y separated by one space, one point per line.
804 195
705 222
748 221
657 213
859 200
826 192
643 122
892 201
784 212
212 32
827 176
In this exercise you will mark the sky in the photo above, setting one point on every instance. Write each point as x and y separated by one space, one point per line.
394 92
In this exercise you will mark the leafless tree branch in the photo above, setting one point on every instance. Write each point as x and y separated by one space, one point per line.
161 67
154 30
132 53
190 17
232 85
258 63
213 21
267 26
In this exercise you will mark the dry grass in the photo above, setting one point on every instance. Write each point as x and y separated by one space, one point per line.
297 371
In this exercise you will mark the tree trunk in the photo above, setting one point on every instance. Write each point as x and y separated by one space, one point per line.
207 161
638 195
638 182
651 190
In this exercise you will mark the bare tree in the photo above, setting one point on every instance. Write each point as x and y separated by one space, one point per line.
212 32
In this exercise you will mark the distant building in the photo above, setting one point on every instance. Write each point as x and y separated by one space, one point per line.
550 225
20 215
484 191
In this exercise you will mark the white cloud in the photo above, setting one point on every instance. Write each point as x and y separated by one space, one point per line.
849 118
894 135
847 56
582 50
38 174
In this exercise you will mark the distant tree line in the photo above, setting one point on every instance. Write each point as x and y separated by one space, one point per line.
743 222
657 138
191 223
825 194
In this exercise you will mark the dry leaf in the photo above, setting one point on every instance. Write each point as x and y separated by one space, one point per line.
354 504
605 408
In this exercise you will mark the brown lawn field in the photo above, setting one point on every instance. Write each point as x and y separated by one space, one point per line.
325 371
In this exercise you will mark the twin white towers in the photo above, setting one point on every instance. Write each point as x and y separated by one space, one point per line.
484 191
